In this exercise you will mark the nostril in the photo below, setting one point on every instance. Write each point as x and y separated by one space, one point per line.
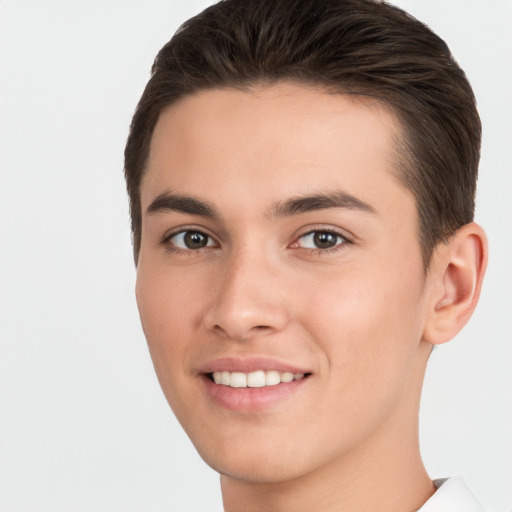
242 335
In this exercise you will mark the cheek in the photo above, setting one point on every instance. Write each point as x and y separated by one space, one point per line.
164 308
165 298
166 314
368 323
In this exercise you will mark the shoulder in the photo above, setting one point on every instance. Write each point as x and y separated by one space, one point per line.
452 495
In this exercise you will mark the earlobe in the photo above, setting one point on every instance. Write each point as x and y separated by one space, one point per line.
458 269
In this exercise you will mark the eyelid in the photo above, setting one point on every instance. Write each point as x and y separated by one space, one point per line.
304 231
182 235
183 228
166 238
325 228
334 237
321 251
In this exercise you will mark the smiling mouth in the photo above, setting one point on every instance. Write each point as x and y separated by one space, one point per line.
256 379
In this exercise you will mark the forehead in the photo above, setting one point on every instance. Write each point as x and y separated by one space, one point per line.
297 138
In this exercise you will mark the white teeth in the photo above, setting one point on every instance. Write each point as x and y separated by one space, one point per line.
257 379
238 380
286 377
272 378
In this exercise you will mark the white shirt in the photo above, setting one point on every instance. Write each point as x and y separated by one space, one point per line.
452 495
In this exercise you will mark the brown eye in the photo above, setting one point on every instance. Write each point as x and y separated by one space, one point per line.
191 240
325 240
320 240
195 240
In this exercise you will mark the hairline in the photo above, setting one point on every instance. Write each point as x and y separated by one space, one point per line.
402 155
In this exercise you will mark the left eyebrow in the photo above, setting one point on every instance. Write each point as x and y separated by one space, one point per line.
305 204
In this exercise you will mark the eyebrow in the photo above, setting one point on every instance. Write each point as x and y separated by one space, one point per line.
305 204
183 204
293 206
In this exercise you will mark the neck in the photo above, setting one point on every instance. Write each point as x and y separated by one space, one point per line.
385 474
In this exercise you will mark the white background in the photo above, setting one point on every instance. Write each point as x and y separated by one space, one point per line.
84 426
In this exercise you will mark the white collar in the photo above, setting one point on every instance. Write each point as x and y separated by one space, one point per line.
452 495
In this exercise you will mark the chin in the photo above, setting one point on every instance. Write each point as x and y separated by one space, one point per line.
270 462
254 471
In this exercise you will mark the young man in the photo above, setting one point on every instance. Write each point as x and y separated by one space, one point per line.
302 177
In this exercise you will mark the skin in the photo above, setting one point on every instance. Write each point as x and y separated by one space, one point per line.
360 316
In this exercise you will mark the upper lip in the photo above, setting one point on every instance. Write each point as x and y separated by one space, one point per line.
249 364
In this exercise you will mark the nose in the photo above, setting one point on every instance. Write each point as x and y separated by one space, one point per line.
248 299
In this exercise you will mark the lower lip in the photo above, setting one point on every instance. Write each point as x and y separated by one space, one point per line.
250 399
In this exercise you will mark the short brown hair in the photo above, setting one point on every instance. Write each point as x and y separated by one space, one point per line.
360 47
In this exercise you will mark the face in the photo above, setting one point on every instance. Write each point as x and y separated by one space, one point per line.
280 281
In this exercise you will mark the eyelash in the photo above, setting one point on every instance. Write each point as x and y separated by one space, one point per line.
328 250
166 241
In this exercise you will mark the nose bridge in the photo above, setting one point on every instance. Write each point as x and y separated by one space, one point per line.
247 298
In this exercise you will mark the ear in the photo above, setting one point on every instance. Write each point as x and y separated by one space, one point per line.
455 280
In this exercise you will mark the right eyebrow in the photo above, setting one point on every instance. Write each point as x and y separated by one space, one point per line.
183 204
